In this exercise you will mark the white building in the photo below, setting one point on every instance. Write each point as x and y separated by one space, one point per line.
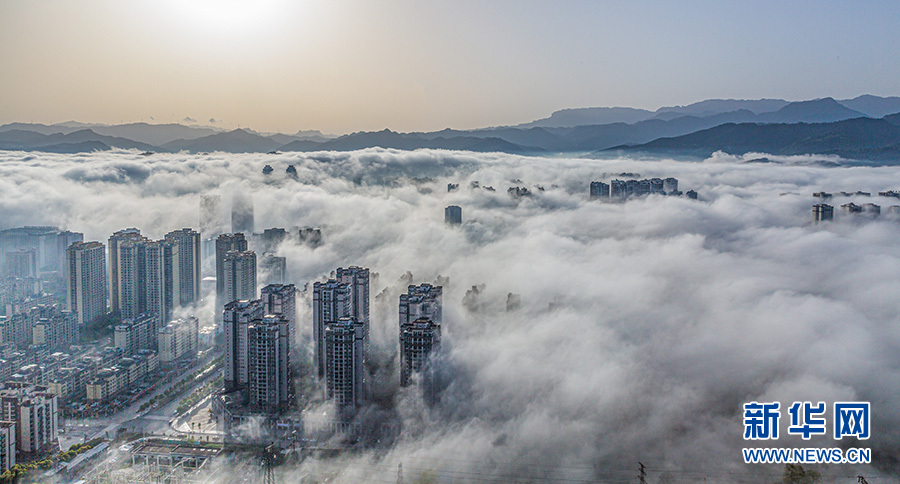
178 339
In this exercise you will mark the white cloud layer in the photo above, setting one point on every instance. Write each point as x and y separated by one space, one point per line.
667 313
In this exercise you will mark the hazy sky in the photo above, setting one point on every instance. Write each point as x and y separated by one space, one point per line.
344 65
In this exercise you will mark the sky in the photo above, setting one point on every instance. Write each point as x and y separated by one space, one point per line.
643 327
342 66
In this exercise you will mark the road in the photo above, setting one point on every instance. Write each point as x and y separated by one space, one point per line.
130 418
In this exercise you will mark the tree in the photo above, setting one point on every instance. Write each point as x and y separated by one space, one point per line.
796 474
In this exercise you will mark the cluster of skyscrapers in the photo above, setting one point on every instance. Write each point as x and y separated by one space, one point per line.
259 334
341 334
823 211
623 189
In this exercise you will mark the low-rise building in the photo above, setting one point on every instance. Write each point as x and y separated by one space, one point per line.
178 340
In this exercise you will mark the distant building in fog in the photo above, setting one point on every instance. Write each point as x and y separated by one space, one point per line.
851 208
822 212
211 215
453 215
242 213
310 236
618 189
272 269
871 209
670 186
599 190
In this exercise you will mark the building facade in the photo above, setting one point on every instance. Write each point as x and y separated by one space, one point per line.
418 340
281 299
179 339
226 243
238 315
331 302
422 301
599 190
86 289
345 367
268 366
453 215
240 275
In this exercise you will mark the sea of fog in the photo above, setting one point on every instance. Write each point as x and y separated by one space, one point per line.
644 326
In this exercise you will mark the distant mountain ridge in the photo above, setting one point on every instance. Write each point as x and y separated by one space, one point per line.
634 128
858 138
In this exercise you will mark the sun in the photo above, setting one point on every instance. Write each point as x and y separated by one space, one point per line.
219 19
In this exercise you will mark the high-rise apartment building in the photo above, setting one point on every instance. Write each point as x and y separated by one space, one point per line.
86 281
226 243
418 340
242 213
20 263
240 275
34 409
185 266
114 241
357 278
345 367
822 212
7 445
211 215
269 369
618 189
422 301
49 244
281 299
670 185
272 269
599 190
154 277
127 256
238 315
331 302
453 215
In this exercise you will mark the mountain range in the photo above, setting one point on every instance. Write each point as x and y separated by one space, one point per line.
854 128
